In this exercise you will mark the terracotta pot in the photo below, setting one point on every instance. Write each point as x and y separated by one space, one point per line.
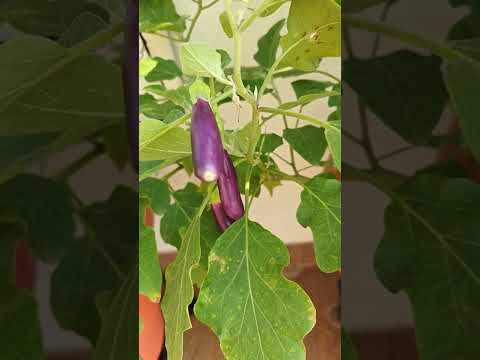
151 337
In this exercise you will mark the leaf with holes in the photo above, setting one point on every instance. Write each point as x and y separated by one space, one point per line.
245 299
313 33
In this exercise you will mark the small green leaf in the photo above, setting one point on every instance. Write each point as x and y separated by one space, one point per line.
269 143
225 23
158 15
157 193
313 33
152 108
150 274
320 210
246 300
225 58
22 338
146 65
155 144
199 60
268 45
180 96
271 6
199 90
333 135
463 83
119 334
302 140
163 70
304 87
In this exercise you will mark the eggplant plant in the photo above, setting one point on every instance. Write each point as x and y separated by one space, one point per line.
236 263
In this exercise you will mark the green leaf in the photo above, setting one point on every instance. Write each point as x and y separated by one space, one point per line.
225 23
113 225
150 274
353 6
119 335
199 60
180 96
430 250
304 87
199 89
23 59
269 143
156 144
115 139
247 301
157 193
149 168
268 45
159 15
463 83
243 170
320 210
271 6
164 70
348 348
47 216
302 140
179 288
225 58
83 26
313 33
22 338
146 65
41 17
82 274
333 134
387 87
152 108
96 100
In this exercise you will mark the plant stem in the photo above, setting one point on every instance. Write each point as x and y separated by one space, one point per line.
331 76
297 115
145 45
396 152
282 158
172 173
194 20
407 37
168 37
80 163
366 141
383 179
383 18
210 5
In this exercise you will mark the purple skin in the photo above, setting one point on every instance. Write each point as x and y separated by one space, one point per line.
229 192
221 218
207 148
130 78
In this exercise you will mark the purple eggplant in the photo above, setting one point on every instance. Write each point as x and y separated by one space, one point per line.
221 217
229 192
130 78
207 148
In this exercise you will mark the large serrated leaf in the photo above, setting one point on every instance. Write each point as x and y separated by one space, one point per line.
430 250
245 299
320 210
179 290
